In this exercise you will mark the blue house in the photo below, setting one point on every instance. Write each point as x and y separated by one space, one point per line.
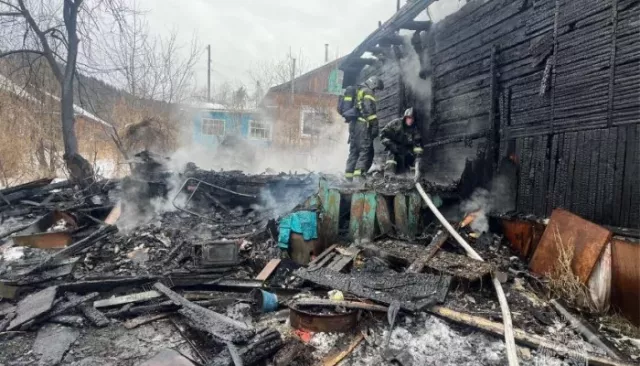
212 122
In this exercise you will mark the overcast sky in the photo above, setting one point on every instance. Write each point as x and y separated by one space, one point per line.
243 32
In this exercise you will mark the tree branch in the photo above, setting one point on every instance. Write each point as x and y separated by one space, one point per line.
5 54
47 52
10 14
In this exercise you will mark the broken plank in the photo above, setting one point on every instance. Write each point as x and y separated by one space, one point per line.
268 269
322 255
343 261
54 240
95 316
218 325
144 319
438 240
335 359
33 306
127 299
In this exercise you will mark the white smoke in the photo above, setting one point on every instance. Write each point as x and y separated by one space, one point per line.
325 152
480 203
499 199
410 72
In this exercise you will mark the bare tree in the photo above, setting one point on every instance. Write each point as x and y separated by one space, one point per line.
275 72
151 67
56 31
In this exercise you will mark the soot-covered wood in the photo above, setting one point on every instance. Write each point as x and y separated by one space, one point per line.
576 140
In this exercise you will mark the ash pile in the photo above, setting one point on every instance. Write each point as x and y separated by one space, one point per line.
221 268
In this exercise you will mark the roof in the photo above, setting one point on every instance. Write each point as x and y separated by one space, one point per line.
407 13
301 83
8 85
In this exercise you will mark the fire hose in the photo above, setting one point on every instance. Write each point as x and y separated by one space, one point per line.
504 306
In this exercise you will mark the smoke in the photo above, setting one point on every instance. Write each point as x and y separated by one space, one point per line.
480 203
410 67
287 151
498 200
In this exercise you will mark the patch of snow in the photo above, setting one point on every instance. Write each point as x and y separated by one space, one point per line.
434 342
13 254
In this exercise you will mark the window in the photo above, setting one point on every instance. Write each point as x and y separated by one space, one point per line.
312 122
259 130
212 127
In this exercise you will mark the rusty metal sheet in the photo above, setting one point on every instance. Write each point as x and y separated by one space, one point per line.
47 221
368 225
268 269
566 229
302 318
401 214
383 216
413 210
625 278
357 208
54 240
523 235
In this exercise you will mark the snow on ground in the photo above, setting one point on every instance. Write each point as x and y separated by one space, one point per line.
432 341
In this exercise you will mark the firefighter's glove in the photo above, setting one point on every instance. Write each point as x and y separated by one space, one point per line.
418 151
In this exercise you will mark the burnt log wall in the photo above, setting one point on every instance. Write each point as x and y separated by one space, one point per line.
555 84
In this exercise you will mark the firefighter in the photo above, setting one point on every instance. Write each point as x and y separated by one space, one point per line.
403 143
363 129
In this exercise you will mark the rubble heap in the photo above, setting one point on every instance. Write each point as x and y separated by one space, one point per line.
191 268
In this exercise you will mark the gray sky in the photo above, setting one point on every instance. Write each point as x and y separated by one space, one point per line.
243 32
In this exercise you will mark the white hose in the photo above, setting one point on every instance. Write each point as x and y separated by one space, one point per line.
510 343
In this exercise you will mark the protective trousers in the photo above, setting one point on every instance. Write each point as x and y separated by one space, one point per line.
399 160
360 149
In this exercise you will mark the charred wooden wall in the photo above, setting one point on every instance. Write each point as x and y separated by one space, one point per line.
555 84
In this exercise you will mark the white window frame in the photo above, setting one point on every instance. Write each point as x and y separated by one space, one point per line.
214 121
302 115
264 126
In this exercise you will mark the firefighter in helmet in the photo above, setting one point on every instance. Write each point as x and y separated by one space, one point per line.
363 129
403 143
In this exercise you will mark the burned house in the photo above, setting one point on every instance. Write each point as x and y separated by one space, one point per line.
548 85
227 268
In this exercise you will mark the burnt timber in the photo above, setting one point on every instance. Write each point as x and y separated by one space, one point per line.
553 85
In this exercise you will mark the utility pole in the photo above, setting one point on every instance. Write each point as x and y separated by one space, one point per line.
326 52
293 76
397 5
208 73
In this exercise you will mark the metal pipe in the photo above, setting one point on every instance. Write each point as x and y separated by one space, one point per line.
509 341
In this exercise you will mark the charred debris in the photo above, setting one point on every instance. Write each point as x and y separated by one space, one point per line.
223 268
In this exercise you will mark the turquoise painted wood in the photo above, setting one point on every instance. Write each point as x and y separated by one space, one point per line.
357 208
401 215
415 204
368 225
383 216
332 214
